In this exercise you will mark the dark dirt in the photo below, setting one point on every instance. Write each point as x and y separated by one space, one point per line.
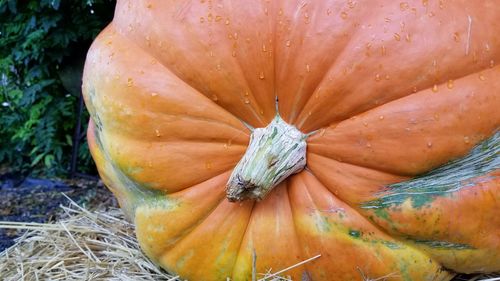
39 200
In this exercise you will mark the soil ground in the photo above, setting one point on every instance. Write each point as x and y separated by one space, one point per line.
38 200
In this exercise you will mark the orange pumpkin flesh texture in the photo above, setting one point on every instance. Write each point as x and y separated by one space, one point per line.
390 90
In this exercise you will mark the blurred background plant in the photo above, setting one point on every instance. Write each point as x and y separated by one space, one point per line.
42 50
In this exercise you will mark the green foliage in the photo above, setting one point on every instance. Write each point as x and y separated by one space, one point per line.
42 49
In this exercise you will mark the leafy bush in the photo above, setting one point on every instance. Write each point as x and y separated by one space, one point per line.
42 49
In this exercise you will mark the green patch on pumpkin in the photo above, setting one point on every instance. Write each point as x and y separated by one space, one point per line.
443 181
445 245
354 233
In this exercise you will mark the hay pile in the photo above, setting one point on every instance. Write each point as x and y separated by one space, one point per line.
85 245
97 245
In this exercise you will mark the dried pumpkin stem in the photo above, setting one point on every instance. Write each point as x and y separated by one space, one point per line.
274 153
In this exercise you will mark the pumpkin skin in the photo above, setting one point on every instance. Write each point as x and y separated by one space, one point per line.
392 90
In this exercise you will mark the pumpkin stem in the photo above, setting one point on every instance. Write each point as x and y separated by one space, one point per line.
274 153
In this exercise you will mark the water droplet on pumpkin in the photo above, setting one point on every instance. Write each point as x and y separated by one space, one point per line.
157 133
492 63
154 94
227 22
487 47
450 84
429 144
208 165
202 19
397 36
261 112
264 48
343 15
381 117
309 113
369 145
210 17
130 82
365 124
377 77
415 89
247 101
218 67
308 68
436 117
261 75
218 18
387 77
288 43
466 139
481 77
215 98
435 88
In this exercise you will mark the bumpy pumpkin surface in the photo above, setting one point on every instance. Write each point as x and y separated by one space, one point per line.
387 92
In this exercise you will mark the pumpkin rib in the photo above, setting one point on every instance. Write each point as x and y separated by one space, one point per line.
295 227
192 228
232 268
354 207
149 214
357 165
310 37
184 116
299 110
258 116
442 83
338 226
213 239
352 195
198 41
250 93
421 132
170 167
299 107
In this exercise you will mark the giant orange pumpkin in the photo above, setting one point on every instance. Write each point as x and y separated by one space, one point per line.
346 110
